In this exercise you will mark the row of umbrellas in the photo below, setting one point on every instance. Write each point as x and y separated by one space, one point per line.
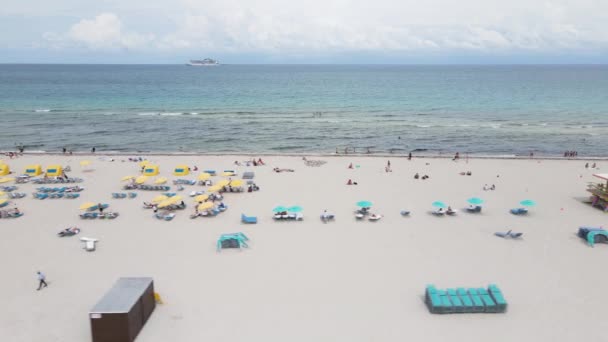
161 180
479 201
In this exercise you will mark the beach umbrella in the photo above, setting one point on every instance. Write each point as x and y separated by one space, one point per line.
294 209
164 203
143 163
6 179
227 174
2 193
236 182
126 178
527 203
364 204
87 205
215 188
159 198
2 201
439 204
475 200
205 206
160 180
201 198
223 182
279 209
175 199
85 163
141 179
204 176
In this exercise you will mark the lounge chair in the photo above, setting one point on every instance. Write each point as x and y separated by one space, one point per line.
374 217
438 212
496 294
16 195
326 217
451 212
249 219
132 194
72 195
89 244
519 211
248 175
508 234
69 232
475 209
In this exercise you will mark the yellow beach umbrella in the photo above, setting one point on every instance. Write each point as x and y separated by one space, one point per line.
87 205
236 182
141 179
205 206
223 182
160 180
215 188
159 198
175 199
2 193
144 163
227 174
6 179
2 201
201 198
169 201
164 203
204 176
126 178
85 163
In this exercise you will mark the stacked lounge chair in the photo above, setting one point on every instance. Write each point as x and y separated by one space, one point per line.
56 180
248 175
93 215
121 195
462 300
153 187
519 211
184 182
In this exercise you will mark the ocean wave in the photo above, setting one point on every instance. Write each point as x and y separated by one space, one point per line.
42 110
171 114
147 114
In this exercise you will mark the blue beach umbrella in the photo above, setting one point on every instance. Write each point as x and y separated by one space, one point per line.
527 203
475 200
439 204
294 209
364 204
279 209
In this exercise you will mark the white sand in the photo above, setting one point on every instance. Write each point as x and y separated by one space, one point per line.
309 281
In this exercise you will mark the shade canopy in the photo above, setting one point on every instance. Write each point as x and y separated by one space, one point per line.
364 204
439 204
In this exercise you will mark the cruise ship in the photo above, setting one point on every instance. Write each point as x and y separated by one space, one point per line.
203 62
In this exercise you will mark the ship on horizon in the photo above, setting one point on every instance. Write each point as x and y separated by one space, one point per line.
203 62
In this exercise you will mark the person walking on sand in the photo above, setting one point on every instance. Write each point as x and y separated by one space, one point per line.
41 280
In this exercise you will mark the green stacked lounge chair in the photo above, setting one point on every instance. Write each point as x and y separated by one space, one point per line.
461 300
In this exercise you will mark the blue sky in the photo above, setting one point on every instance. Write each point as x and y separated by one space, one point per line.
313 31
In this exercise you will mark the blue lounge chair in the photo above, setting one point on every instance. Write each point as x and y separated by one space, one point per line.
456 301
519 211
249 219
496 294
477 302
132 194
488 302
432 300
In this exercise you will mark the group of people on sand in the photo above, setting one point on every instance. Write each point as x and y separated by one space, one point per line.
592 166
253 162
486 187
417 176
277 170
569 154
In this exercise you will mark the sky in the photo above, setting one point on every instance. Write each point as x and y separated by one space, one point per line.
312 31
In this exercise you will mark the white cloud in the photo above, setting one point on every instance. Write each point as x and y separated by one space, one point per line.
339 26
105 31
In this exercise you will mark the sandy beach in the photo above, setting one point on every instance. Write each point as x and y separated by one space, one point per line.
308 281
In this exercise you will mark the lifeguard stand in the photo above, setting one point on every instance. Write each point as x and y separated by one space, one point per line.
181 170
4 169
151 170
33 170
54 170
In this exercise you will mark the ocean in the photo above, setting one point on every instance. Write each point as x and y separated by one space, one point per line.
483 110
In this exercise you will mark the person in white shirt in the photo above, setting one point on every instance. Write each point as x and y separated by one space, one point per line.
41 279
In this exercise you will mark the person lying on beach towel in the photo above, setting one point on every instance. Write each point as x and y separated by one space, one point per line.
276 169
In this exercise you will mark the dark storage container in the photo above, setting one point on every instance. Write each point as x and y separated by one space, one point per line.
121 314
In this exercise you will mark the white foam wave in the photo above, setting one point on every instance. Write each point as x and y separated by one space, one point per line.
147 114
42 110
171 114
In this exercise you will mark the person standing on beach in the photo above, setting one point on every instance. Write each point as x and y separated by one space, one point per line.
41 280
93 149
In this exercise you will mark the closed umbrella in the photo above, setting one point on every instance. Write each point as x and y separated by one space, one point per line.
141 179
439 204
364 204
160 180
126 178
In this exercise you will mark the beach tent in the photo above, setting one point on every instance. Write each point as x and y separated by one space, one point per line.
123 311
181 170
4 169
151 170
54 170
33 170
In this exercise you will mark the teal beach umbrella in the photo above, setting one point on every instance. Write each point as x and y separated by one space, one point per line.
294 209
439 204
528 203
475 201
364 204
279 209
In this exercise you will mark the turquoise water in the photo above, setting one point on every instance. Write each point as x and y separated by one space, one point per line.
292 108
